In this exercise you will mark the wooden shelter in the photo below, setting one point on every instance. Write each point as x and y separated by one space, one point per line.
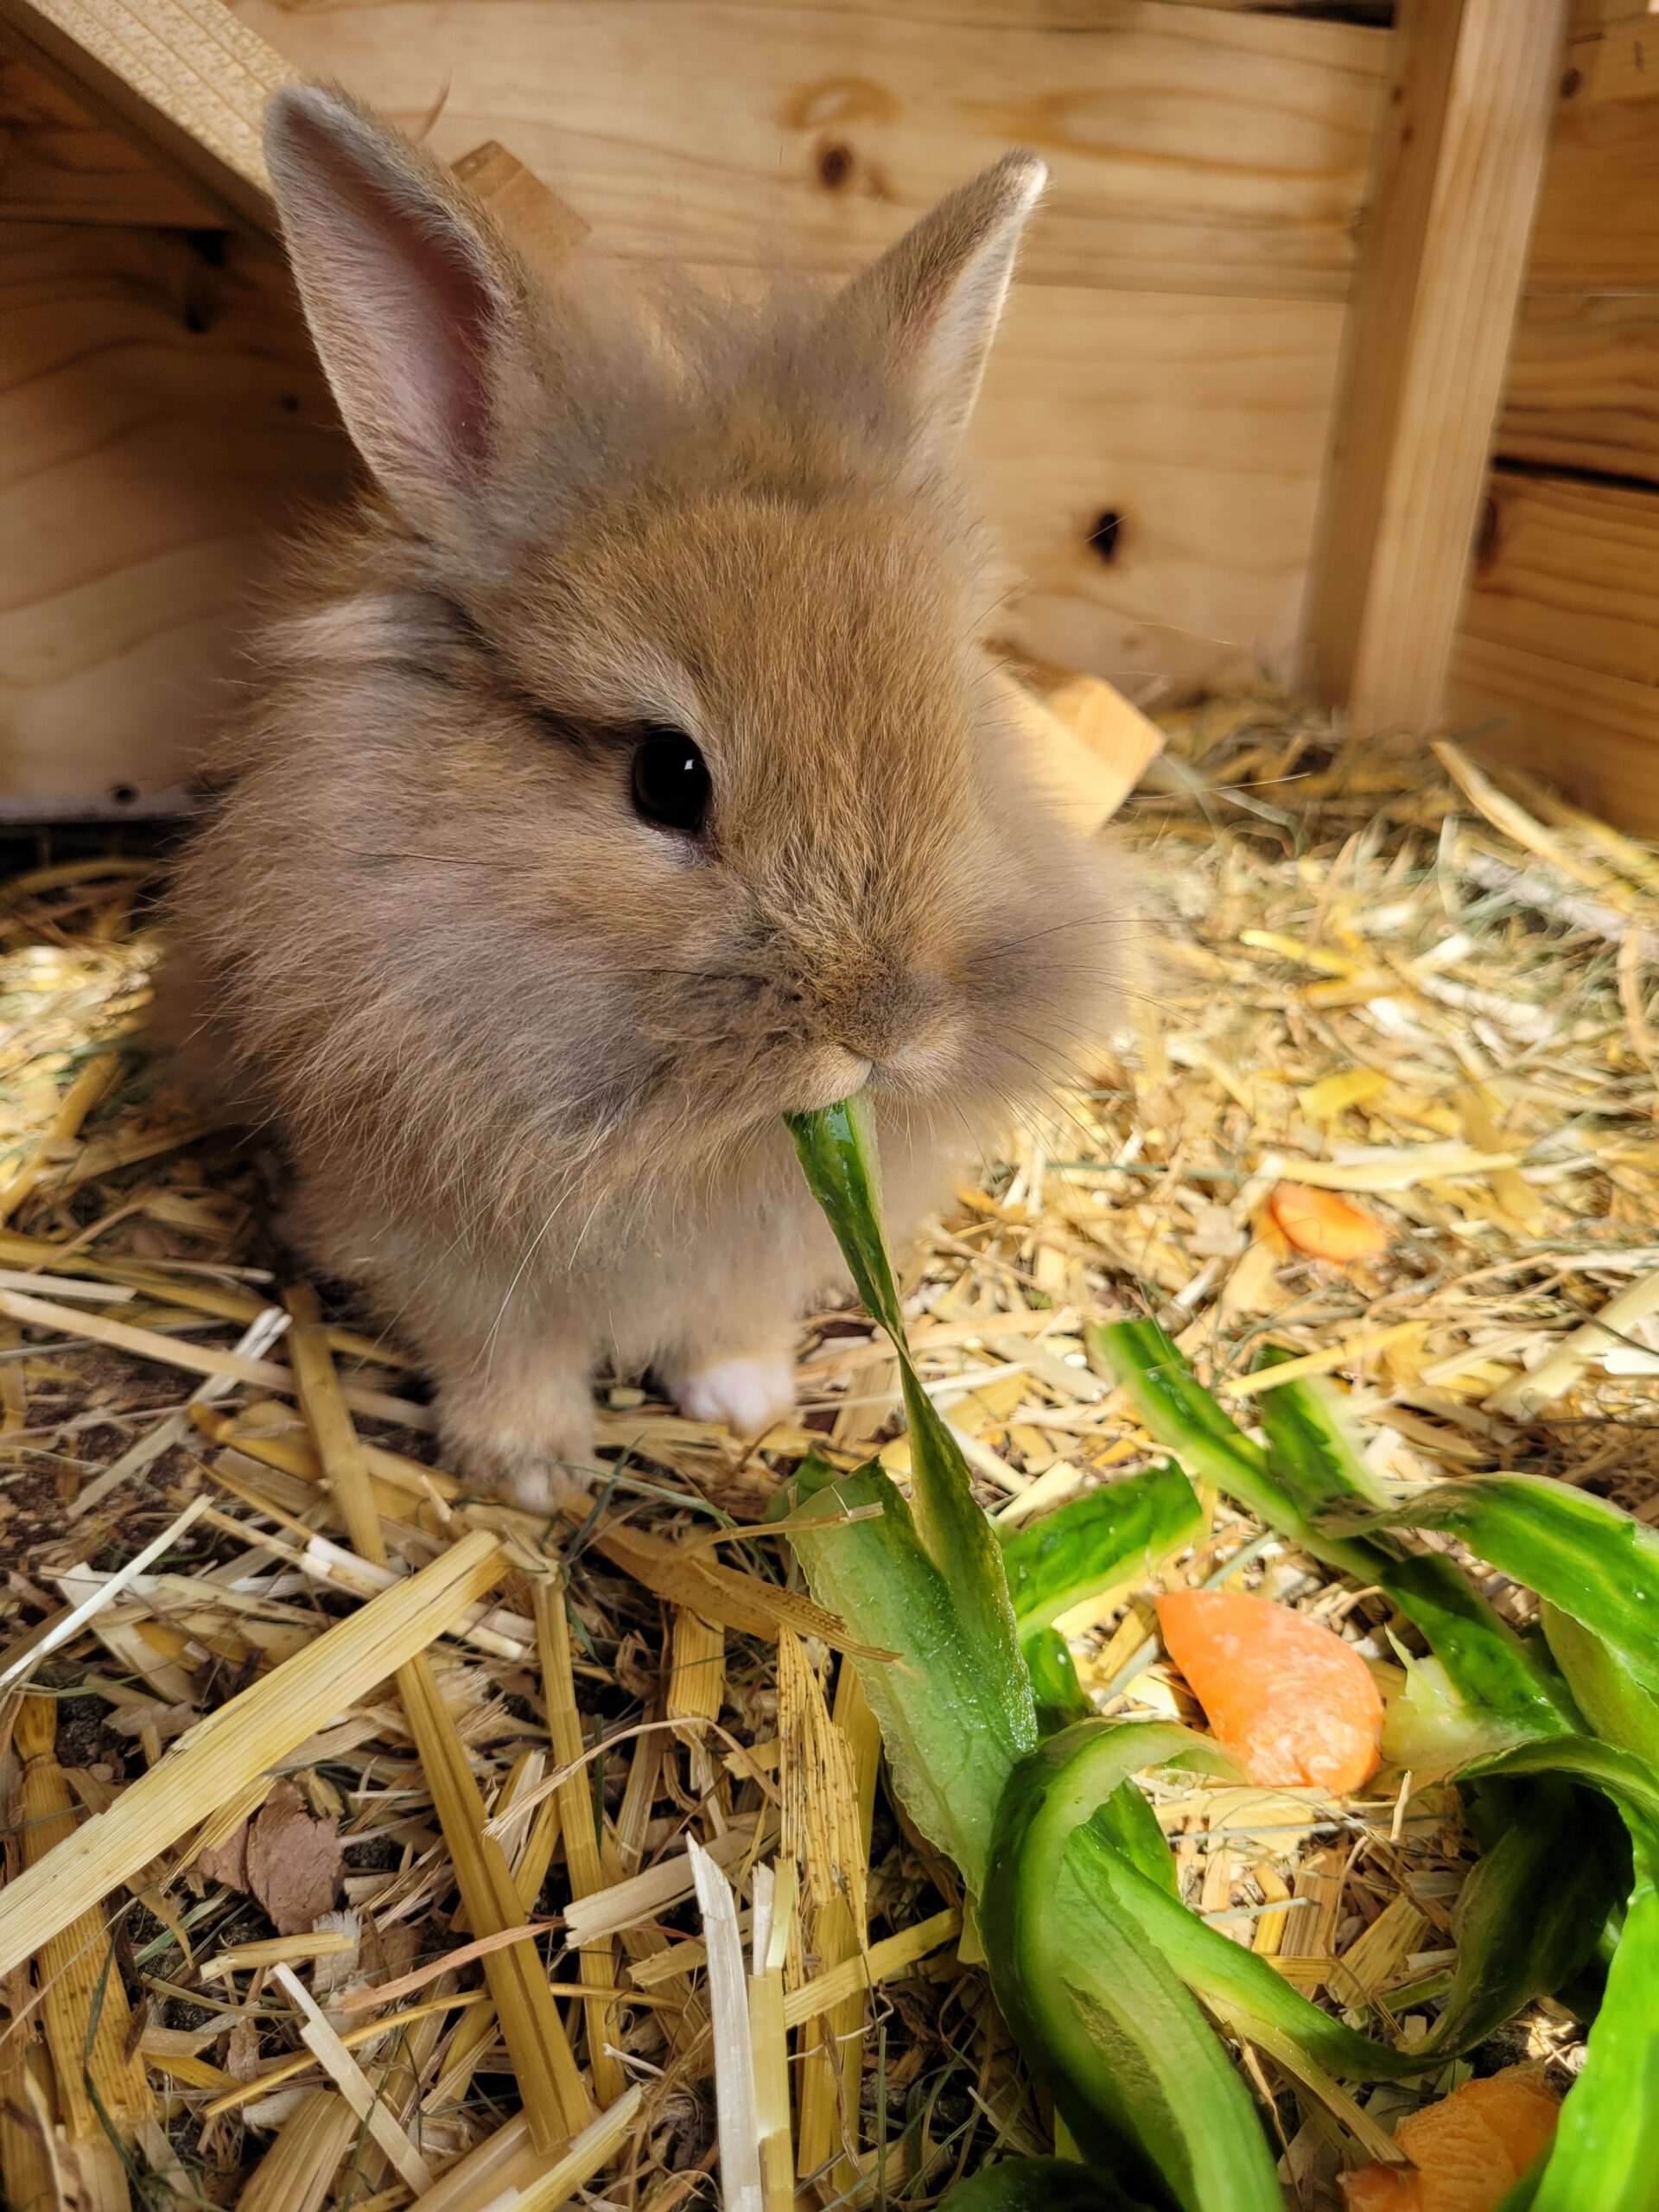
1334 358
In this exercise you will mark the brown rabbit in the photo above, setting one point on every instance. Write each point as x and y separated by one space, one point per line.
624 773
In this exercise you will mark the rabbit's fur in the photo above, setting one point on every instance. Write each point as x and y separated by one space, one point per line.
528 1054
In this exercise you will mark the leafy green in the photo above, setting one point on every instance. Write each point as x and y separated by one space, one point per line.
1090 1545
838 1151
1606 1693
1311 1471
1040 2185
1060 1696
1591 1560
951 1733
1143 2084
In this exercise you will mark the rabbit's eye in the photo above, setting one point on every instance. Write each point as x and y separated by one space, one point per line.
670 782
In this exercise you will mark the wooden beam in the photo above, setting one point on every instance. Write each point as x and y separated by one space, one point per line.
189 81
1596 736
1459 157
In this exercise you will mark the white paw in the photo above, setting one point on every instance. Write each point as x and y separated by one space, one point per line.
747 1394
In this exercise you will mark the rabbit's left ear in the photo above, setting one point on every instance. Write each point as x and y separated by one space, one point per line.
414 301
931 304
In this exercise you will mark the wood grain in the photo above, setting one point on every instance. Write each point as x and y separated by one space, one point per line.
1192 150
1595 736
1583 389
184 76
1459 164
157 414
57 165
1569 571
1598 215
1200 425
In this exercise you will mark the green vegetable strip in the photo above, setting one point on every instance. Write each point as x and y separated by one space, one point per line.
1606 2155
837 1150
1611 1699
1531 1912
1126 1529
951 1734
1060 1696
1040 2185
1585 1557
1310 1468
1145 2086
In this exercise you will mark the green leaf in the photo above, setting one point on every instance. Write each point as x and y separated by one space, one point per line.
1145 2086
1606 1693
1040 2185
1312 1468
1591 1560
1631 1783
1120 1532
837 1151
1531 1910
1060 1696
951 1734
1606 2156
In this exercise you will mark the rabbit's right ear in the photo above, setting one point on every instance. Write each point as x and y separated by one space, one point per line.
413 301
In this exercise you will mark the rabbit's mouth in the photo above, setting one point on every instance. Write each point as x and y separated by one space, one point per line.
831 1074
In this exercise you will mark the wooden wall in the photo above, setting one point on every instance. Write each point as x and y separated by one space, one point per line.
1559 646
1168 360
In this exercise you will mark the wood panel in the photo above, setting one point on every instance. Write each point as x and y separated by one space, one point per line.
1193 149
1598 215
157 412
58 166
1584 383
1596 736
1459 162
1199 424
1569 571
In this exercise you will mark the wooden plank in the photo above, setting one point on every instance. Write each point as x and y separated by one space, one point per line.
1200 426
1583 389
140 460
1569 571
1458 163
1595 736
157 413
1598 215
188 76
57 165
1191 150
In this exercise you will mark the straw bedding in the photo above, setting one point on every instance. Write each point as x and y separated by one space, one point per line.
310 1965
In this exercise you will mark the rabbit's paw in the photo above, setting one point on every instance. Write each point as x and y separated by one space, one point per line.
534 1452
748 1395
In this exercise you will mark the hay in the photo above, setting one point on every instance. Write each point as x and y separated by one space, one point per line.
1388 977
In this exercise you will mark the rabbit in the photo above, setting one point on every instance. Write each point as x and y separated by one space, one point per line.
623 772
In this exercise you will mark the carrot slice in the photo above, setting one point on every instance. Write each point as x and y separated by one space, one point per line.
1324 1225
1293 1703
1465 2152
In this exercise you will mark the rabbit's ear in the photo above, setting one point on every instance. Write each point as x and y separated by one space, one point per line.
933 301
413 300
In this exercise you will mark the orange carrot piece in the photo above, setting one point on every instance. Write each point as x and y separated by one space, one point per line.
1293 1703
1466 2151
1324 1224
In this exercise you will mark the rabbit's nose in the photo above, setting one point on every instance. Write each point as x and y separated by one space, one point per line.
883 1014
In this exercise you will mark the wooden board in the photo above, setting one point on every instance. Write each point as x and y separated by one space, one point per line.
56 165
1571 572
1192 150
1598 215
1583 389
1595 736
1200 425
1458 163
187 78
157 412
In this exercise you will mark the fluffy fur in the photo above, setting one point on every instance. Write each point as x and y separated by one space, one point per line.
527 1053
